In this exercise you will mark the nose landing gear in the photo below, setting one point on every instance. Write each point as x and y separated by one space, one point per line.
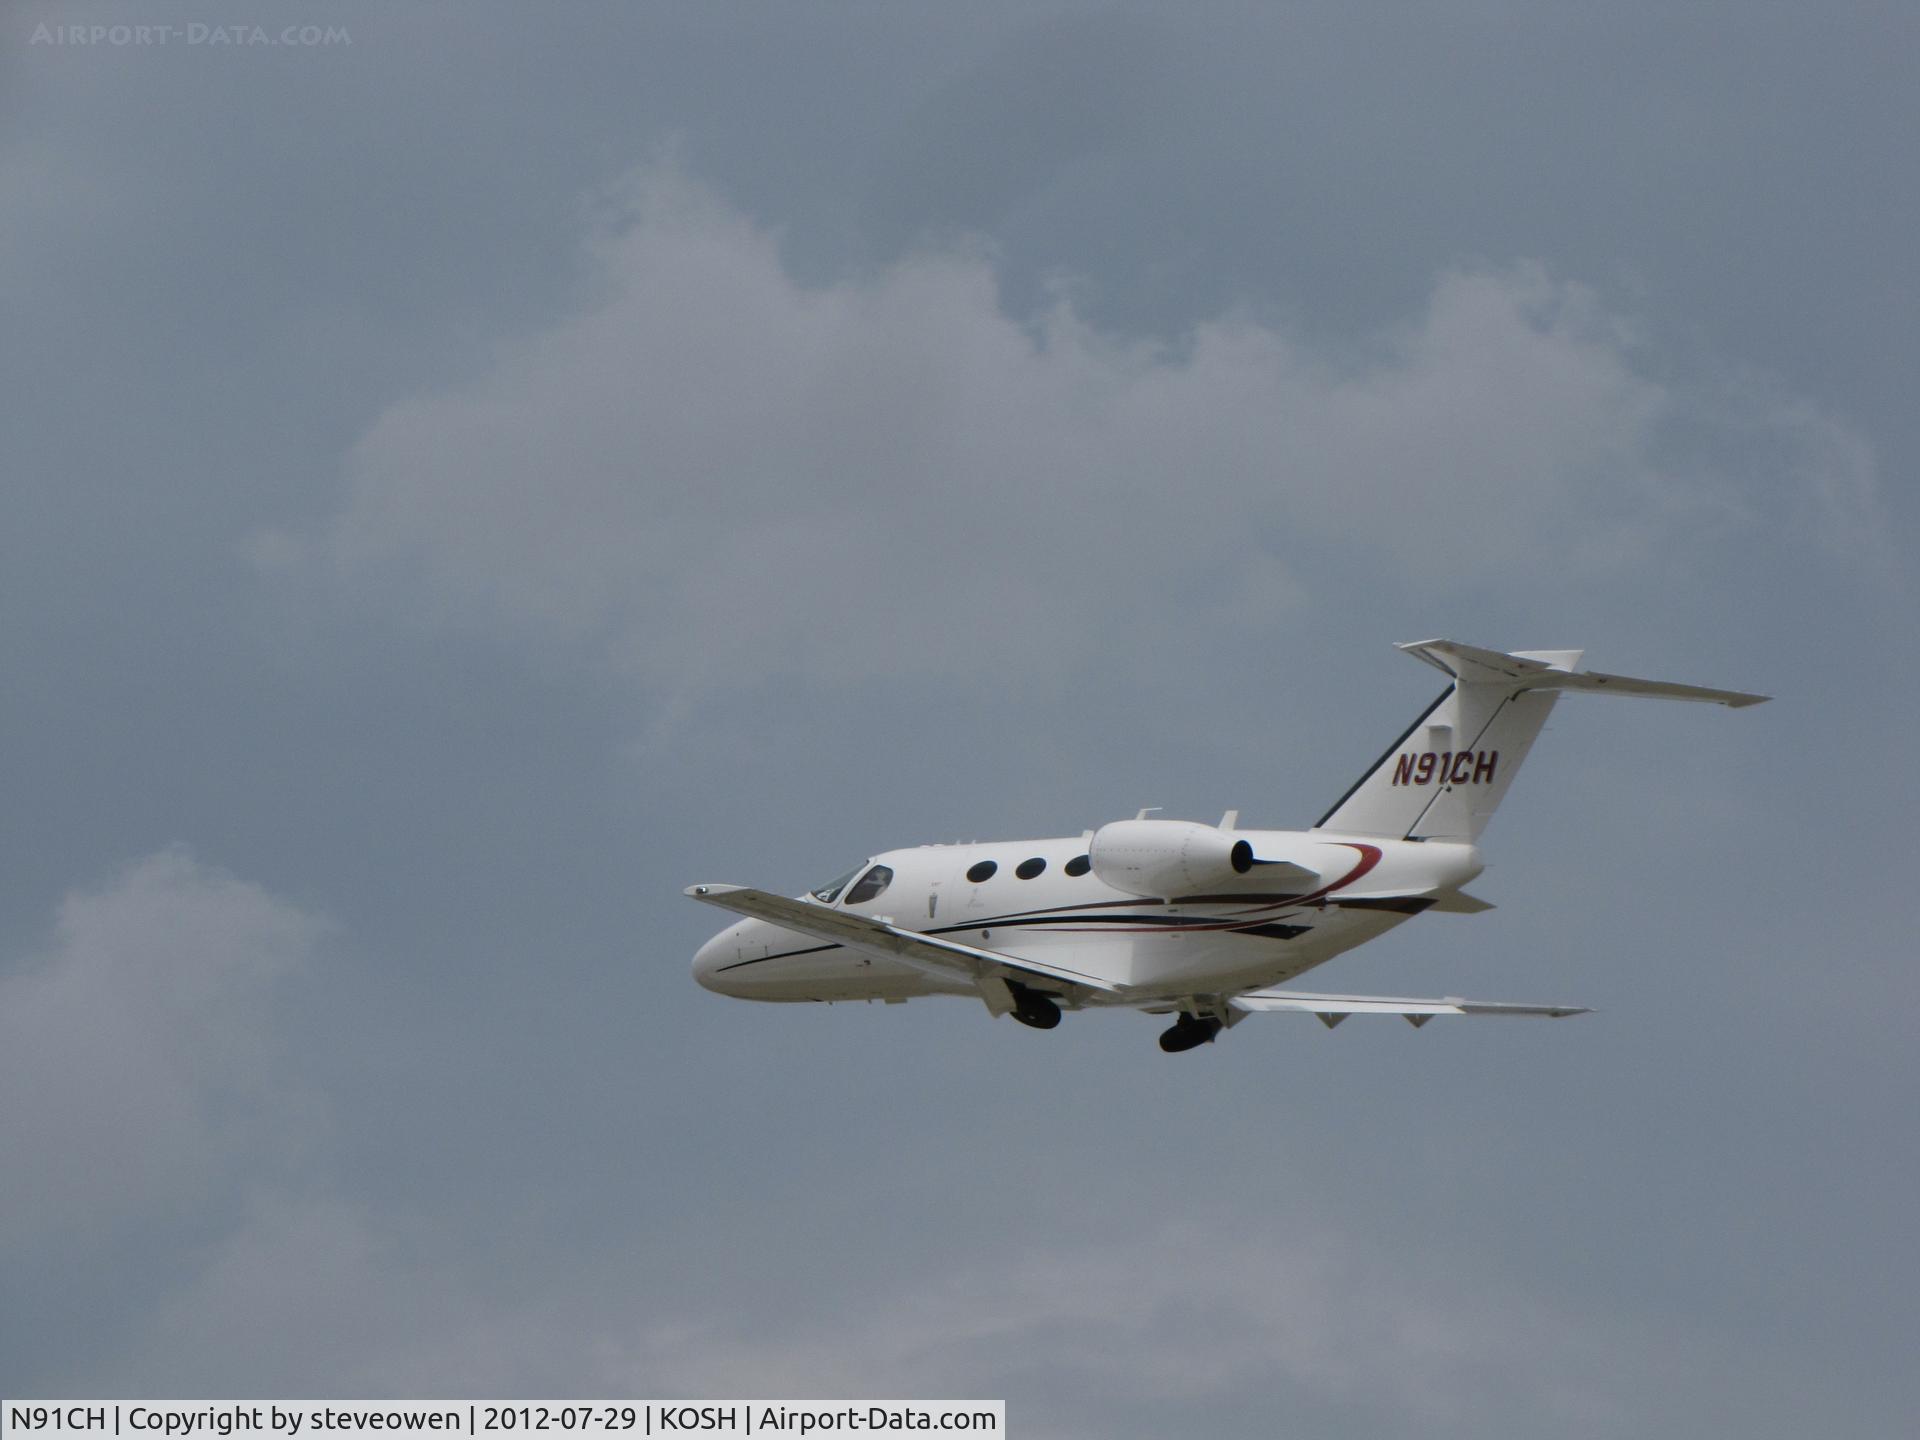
1187 1032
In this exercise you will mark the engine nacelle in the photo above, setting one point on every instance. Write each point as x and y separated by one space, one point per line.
1165 858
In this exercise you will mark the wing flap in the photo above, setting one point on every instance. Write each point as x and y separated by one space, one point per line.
876 936
1259 1001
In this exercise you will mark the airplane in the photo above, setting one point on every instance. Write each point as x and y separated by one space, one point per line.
1174 917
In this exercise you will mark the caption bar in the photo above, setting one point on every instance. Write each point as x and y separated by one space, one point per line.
623 1419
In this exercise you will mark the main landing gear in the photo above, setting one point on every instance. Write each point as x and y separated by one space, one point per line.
1187 1032
1031 1007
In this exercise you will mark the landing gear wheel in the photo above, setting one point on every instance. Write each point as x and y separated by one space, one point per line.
1030 1007
1187 1032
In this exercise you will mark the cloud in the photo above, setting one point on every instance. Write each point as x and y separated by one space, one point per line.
138 1073
315 1292
143 1108
713 470
1182 1316
1179 1317
171 1190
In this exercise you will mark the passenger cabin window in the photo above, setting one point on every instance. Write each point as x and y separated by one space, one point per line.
826 893
1079 865
871 884
983 871
1027 869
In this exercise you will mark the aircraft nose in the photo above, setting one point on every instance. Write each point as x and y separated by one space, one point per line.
711 960
707 961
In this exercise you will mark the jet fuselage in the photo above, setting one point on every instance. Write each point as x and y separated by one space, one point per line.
1241 935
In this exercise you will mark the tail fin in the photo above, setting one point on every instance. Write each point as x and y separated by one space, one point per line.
1444 778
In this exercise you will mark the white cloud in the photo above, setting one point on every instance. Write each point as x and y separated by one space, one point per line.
1184 1314
140 1093
138 1074
714 470
315 1292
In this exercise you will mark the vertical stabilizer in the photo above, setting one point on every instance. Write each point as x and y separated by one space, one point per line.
1444 778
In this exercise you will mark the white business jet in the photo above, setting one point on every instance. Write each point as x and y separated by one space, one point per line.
1174 917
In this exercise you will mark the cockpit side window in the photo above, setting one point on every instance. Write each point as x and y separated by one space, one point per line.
826 893
871 884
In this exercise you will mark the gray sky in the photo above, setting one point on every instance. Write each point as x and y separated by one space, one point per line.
466 483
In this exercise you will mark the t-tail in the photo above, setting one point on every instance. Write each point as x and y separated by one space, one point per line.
1445 777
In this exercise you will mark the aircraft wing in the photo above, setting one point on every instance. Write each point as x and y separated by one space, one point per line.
1332 1009
875 936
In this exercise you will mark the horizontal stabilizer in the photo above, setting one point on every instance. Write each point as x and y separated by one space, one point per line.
1334 1008
875 936
1415 902
1556 670
1458 902
1597 682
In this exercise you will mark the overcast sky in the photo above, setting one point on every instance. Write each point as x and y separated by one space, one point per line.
469 480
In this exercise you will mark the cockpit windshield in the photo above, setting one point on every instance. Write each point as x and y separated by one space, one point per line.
827 893
871 884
